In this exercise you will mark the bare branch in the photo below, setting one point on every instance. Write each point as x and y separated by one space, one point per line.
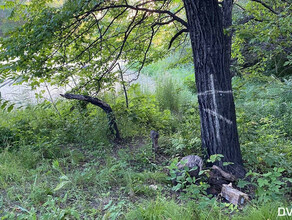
238 5
99 39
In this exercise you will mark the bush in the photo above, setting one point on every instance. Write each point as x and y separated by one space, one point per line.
7 137
142 115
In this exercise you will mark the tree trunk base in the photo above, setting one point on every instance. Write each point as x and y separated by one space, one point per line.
217 179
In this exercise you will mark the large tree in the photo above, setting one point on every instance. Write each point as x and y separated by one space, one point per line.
85 40
212 54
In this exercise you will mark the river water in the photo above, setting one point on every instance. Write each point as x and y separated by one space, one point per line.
24 95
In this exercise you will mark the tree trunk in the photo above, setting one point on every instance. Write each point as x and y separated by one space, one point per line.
211 52
104 106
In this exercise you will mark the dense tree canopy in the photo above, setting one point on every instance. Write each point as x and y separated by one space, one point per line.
63 39
86 40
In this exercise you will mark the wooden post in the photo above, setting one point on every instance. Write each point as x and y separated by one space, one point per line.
154 136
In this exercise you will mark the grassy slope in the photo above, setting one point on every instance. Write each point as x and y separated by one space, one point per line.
55 167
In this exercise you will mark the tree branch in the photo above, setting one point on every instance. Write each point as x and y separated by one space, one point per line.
266 6
137 8
176 36
104 106
94 101
247 19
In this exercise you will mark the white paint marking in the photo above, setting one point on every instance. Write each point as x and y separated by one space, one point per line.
218 115
210 92
217 124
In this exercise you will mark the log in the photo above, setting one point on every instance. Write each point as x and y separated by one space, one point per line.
217 178
233 196
226 175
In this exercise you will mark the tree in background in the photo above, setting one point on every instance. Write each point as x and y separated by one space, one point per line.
85 41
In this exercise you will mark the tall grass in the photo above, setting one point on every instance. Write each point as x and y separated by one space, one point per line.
168 93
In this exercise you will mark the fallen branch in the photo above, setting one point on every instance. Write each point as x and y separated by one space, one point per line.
104 106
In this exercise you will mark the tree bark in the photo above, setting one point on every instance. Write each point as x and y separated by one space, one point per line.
211 53
104 106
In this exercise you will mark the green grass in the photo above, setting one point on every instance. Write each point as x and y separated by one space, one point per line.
161 208
68 167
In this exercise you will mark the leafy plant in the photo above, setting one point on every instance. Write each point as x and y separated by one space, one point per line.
167 94
184 181
64 180
114 211
270 186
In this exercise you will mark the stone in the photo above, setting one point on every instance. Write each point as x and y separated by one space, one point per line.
154 187
191 161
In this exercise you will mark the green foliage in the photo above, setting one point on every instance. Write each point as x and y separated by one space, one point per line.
6 105
42 127
187 140
262 212
262 38
114 211
39 194
142 115
263 130
270 186
191 187
215 157
50 46
64 166
167 94
144 183
11 169
189 82
179 63
7 137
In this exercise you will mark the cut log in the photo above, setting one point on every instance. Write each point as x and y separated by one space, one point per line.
233 196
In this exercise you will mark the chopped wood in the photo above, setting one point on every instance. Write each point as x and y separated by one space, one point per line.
233 196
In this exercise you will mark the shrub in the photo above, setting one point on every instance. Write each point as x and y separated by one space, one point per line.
142 115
